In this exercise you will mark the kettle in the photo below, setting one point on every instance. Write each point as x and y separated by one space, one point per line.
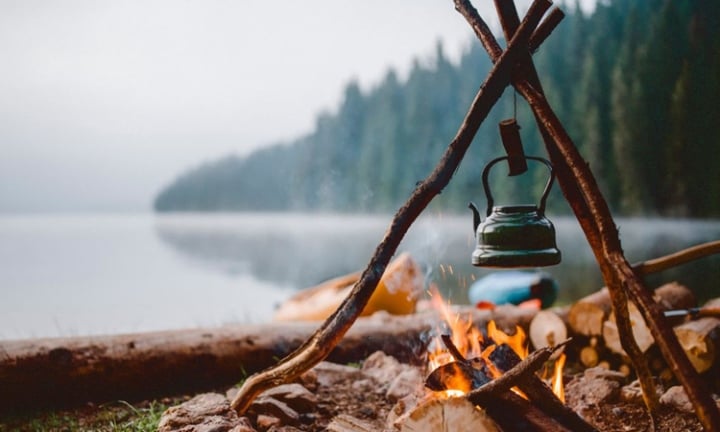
516 235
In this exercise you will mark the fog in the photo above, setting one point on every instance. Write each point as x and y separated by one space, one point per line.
104 102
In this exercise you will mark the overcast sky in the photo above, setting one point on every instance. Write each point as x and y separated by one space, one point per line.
103 102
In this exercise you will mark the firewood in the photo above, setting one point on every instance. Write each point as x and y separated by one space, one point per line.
700 339
589 356
587 316
446 415
539 393
547 329
641 332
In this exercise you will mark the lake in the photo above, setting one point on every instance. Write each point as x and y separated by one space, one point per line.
66 275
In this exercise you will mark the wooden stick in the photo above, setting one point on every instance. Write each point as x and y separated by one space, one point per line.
591 210
675 259
332 330
539 393
518 374
508 409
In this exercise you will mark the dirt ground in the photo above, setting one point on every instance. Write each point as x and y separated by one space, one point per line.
351 391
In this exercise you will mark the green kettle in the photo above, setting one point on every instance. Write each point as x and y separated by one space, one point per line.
517 235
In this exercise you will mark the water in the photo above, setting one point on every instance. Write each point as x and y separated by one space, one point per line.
99 274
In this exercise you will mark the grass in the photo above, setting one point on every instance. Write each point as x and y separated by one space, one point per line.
111 417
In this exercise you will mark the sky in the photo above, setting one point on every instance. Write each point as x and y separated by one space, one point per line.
104 102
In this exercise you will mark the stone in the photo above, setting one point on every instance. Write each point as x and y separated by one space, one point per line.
275 408
265 422
382 367
676 397
596 385
406 383
244 426
328 374
633 392
207 412
294 395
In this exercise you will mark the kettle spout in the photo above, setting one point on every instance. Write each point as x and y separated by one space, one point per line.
476 215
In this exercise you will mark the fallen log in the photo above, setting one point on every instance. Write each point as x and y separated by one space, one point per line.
63 372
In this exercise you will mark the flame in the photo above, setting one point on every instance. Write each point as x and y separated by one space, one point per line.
518 341
464 335
469 341
557 379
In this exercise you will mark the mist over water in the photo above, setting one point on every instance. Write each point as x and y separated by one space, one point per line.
80 275
301 250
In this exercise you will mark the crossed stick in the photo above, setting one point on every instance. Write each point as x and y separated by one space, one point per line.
512 67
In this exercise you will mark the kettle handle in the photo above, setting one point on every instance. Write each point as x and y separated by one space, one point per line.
543 198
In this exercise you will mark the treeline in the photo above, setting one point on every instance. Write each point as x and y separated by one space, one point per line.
637 84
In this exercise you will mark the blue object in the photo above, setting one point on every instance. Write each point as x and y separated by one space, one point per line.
514 287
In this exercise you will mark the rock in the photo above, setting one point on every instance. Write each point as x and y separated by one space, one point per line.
272 407
294 395
595 386
677 398
633 392
382 367
309 380
207 412
265 422
244 426
328 374
406 383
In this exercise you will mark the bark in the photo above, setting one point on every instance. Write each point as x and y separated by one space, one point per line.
70 371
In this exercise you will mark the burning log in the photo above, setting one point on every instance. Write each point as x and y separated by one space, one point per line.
493 395
539 393
587 316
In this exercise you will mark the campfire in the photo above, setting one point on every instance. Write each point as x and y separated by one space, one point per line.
463 360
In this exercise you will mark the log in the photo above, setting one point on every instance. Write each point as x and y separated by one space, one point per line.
510 411
587 315
446 415
547 329
64 372
641 332
589 355
539 393
700 340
